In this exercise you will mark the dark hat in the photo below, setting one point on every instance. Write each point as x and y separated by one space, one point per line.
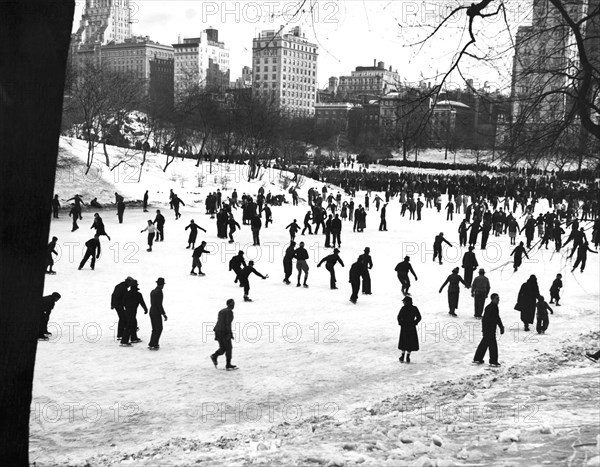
250 262
367 249
129 279
335 250
481 271
56 295
407 258
455 270
407 300
160 281
240 253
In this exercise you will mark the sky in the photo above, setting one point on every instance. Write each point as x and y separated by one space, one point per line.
349 33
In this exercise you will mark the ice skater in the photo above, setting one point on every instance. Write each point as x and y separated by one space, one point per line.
92 251
98 224
176 202
244 275
132 300
288 258
437 246
193 233
489 322
366 278
526 301
469 264
224 335
48 303
196 263
236 264
293 228
151 229
408 319
120 207
330 261
233 226
301 256
542 315
157 314
555 290
582 251
403 268
453 280
50 250
356 272
518 253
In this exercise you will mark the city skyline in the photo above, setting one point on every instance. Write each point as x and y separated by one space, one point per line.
385 29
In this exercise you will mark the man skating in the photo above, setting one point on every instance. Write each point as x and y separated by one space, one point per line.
518 253
159 221
437 246
469 264
133 299
330 261
366 277
193 227
491 320
224 335
301 256
288 258
555 290
582 251
453 280
196 263
479 291
117 303
92 251
356 272
293 228
50 250
244 275
403 268
48 303
157 314
236 264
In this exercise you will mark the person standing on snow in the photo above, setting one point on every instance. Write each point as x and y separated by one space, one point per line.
224 335
244 275
408 319
157 314
454 280
489 322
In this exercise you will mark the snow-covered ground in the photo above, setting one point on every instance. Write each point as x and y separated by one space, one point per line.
319 379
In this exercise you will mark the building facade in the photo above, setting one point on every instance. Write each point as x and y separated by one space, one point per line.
201 61
104 21
367 81
333 115
285 70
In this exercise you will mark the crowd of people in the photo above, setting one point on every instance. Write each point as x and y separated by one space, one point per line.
489 206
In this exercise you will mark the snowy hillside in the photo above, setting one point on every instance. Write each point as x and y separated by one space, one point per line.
319 380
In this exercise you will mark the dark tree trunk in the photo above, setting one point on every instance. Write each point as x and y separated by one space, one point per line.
34 43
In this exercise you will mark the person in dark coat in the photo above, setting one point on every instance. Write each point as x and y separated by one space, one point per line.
518 253
542 315
77 208
437 246
95 204
453 280
117 303
244 276
268 216
193 234
336 231
330 261
301 256
356 272
479 291
383 222
235 264
145 202
469 264
157 314
408 319
50 250
120 207
462 233
73 213
233 226
159 221
48 303
196 263
526 301
293 228
92 251
224 335
255 226
98 224
366 278
582 251
491 320
288 262
403 268
177 202
133 298
555 290
307 219
55 206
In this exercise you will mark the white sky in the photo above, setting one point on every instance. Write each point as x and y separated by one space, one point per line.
349 33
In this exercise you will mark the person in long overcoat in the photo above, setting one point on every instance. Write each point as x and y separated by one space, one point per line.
527 300
408 319
469 264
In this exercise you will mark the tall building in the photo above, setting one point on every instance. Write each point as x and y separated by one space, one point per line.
134 55
545 56
285 70
201 61
104 21
369 81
